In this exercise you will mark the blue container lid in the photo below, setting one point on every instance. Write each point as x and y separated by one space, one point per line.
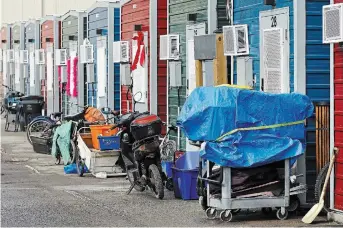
188 161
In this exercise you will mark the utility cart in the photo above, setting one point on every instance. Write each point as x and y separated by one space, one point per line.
96 161
225 203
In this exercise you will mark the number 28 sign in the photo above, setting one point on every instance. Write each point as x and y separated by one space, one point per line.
274 21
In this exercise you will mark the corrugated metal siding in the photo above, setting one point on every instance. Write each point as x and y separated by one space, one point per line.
29 34
317 82
116 65
85 24
162 65
141 15
69 28
47 31
129 18
247 12
98 19
338 102
178 10
95 22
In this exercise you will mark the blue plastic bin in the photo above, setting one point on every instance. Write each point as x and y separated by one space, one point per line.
71 169
166 166
109 142
185 174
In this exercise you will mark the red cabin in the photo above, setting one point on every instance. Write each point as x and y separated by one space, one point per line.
142 22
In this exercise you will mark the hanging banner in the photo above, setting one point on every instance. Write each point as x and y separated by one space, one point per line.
73 74
32 69
139 72
49 71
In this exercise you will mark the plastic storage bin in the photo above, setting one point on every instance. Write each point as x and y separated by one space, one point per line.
101 130
109 142
185 174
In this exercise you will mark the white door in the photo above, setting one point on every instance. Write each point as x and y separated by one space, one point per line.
140 76
191 31
274 51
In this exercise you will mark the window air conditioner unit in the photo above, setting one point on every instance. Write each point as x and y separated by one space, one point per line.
10 56
61 57
236 40
333 23
24 56
40 57
121 52
86 53
170 47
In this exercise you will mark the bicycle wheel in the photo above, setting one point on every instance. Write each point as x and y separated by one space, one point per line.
37 128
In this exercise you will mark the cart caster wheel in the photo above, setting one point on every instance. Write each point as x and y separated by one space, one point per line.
267 210
169 184
226 216
281 216
211 213
236 211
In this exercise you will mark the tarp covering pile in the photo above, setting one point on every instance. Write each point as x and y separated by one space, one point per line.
244 128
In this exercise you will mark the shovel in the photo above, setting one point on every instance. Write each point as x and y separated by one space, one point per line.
316 209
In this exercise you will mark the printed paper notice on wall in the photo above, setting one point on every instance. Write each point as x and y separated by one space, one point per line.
49 71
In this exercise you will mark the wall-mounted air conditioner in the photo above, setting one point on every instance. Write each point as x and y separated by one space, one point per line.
170 47
61 57
40 57
86 53
121 52
236 40
333 23
24 56
10 56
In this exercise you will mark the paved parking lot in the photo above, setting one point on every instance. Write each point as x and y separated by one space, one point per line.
36 192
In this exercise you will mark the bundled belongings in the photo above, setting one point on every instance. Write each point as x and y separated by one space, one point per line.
245 128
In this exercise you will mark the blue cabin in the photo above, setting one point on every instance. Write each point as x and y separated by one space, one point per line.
103 30
286 54
32 43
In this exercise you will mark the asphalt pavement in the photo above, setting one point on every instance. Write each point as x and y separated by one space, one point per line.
36 193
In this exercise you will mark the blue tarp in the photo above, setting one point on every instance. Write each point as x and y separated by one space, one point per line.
211 112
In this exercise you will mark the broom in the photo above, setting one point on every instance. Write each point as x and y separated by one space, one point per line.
317 208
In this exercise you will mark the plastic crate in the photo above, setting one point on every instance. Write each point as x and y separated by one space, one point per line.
185 174
101 130
109 142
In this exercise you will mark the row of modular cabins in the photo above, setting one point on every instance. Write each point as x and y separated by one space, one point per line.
296 23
